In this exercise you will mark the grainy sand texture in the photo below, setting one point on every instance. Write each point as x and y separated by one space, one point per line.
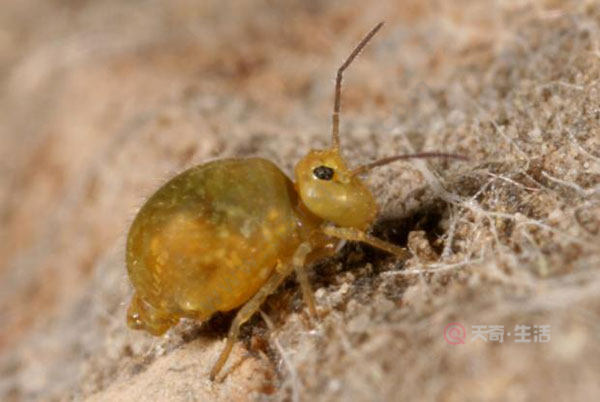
102 101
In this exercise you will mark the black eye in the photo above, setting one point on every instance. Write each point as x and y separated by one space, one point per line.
323 173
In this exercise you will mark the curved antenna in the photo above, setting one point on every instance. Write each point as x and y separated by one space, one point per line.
335 118
421 155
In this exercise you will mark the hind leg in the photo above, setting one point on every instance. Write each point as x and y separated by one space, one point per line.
244 315
252 305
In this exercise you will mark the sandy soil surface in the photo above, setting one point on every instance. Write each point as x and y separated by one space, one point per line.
102 101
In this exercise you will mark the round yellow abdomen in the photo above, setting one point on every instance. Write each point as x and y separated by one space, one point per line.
208 239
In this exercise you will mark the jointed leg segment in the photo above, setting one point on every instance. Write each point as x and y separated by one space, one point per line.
247 311
300 269
244 315
283 271
353 234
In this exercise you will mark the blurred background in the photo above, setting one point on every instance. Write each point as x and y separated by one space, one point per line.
102 101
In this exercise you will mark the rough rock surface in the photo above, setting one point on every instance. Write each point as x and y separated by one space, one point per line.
102 101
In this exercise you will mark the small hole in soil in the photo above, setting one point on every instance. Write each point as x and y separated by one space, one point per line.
395 230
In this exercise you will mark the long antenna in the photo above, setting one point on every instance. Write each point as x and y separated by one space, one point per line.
335 118
421 155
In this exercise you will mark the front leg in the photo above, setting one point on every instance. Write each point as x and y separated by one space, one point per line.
353 234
